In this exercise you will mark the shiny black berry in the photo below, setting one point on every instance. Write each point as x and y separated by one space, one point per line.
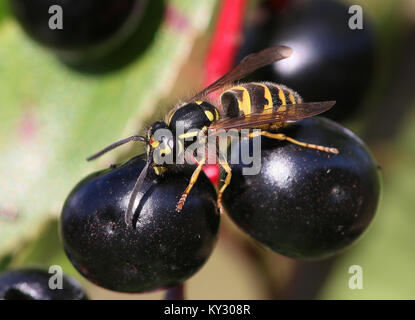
33 284
165 248
330 61
306 203
94 25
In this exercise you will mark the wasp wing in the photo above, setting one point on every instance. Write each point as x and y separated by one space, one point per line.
291 112
248 65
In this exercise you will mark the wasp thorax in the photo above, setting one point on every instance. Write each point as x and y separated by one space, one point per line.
194 115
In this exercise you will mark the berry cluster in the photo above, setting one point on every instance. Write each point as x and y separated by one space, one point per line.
304 203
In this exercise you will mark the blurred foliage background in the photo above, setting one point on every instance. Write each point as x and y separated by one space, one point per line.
53 116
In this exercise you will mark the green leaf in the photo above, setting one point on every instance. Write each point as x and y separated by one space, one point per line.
45 251
3 10
53 117
4 263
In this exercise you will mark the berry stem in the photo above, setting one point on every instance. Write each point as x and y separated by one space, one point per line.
175 293
277 5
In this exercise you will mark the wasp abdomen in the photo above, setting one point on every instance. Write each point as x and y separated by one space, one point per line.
255 97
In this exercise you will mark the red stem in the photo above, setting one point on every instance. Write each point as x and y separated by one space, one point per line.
222 51
225 40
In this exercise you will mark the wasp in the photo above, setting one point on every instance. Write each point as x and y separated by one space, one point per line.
255 105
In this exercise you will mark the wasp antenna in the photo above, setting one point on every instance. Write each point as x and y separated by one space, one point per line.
133 218
116 145
134 193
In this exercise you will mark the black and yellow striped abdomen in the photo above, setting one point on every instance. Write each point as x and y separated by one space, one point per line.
255 97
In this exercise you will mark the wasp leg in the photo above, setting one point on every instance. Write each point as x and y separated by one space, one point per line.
281 136
192 182
227 181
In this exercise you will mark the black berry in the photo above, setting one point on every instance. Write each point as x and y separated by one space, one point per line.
164 249
331 61
33 284
307 203
87 25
